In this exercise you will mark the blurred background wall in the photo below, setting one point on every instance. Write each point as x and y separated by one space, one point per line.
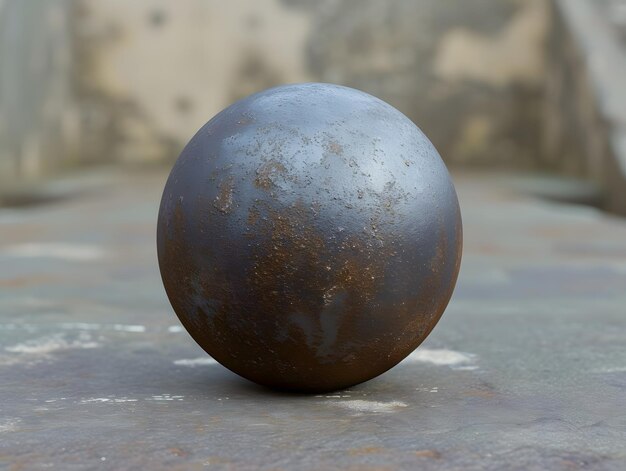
493 83
39 115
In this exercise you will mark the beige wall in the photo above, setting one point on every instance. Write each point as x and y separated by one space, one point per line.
134 80
164 68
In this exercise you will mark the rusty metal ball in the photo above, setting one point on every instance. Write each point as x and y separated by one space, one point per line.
309 237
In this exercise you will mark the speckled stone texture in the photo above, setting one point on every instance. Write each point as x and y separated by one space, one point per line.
527 369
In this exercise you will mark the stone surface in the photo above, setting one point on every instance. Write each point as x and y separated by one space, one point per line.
526 370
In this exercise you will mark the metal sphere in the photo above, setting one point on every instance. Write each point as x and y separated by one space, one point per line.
309 237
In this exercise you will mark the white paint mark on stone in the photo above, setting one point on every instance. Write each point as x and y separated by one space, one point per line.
129 328
174 329
55 400
61 251
111 399
9 425
91 326
51 344
340 394
79 326
440 357
360 405
165 397
193 362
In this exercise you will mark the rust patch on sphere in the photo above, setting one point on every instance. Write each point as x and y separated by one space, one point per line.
224 200
268 173
300 271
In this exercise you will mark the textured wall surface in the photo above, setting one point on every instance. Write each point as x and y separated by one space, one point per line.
38 116
469 73
157 71
584 124
497 83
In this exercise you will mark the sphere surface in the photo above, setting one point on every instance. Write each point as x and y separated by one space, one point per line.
309 237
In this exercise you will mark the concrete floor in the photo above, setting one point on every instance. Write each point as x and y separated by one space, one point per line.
526 370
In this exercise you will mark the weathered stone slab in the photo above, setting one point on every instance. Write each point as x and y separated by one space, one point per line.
526 370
